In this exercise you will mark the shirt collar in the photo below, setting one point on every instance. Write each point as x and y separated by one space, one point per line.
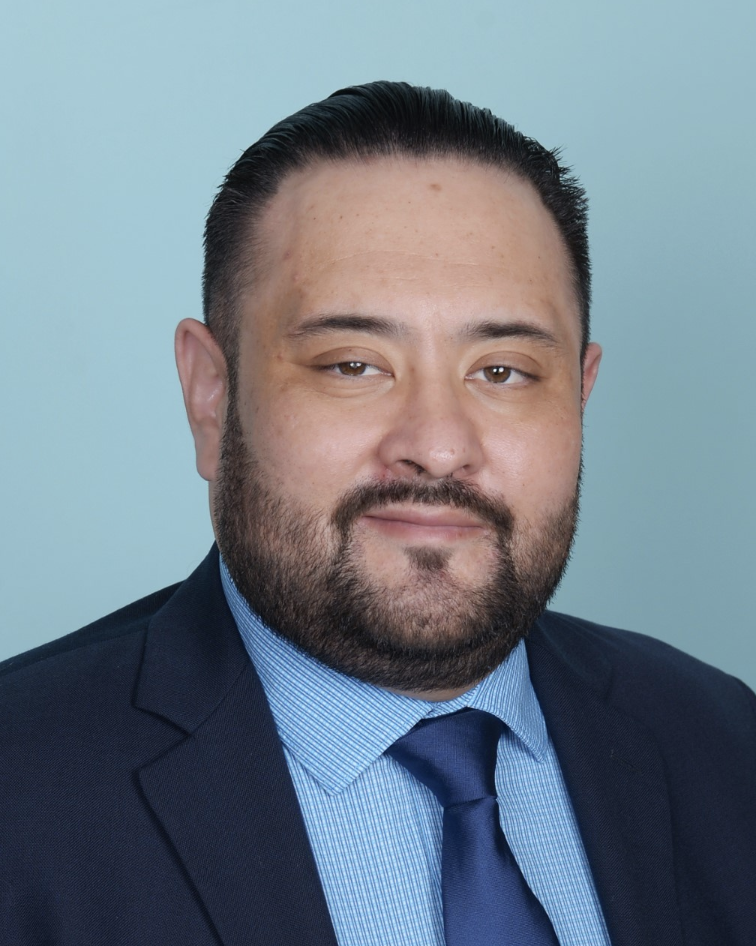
336 725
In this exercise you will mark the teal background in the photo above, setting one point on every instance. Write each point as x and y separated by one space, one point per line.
119 122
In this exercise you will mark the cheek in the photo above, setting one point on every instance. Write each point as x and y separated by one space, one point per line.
537 465
306 450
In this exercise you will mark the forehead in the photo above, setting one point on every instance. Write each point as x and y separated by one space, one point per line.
401 233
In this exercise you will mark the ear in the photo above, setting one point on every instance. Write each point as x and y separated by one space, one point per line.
591 363
204 381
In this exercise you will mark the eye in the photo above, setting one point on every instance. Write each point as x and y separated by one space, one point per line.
353 369
499 374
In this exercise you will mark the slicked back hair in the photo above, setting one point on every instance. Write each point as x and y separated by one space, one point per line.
379 119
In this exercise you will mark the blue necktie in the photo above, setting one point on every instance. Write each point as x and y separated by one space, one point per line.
486 899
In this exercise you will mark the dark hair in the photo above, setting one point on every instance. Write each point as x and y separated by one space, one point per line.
377 119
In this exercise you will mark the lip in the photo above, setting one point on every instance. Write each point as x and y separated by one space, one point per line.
428 516
428 522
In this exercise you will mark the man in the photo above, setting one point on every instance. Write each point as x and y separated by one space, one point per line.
386 400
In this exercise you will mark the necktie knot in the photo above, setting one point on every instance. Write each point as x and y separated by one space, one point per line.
454 756
486 899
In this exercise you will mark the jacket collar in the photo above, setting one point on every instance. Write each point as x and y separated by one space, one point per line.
222 792
615 776
193 653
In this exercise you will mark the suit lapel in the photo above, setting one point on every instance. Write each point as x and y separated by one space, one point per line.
223 793
615 777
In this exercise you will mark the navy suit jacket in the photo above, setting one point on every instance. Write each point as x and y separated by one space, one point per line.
145 798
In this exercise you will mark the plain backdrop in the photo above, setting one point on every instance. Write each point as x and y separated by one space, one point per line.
119 122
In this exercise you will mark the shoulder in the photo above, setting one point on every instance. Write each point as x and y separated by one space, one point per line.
71 736
651 680
93 658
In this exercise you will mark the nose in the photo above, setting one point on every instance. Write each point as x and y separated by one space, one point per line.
432 435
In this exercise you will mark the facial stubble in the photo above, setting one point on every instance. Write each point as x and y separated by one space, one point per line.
304 574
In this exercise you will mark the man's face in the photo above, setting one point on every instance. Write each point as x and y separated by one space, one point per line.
398 481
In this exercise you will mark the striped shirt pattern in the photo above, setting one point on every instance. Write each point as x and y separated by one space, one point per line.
376 832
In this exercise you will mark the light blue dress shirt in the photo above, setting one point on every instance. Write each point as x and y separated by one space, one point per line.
376 832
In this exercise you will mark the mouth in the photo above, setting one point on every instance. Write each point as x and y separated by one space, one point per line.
439 524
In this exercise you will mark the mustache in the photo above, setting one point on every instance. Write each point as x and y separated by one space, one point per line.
456 493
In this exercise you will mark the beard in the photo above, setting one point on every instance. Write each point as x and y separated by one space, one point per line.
303 573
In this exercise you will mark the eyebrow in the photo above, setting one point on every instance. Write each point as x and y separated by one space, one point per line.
323 324
490 329
388 328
